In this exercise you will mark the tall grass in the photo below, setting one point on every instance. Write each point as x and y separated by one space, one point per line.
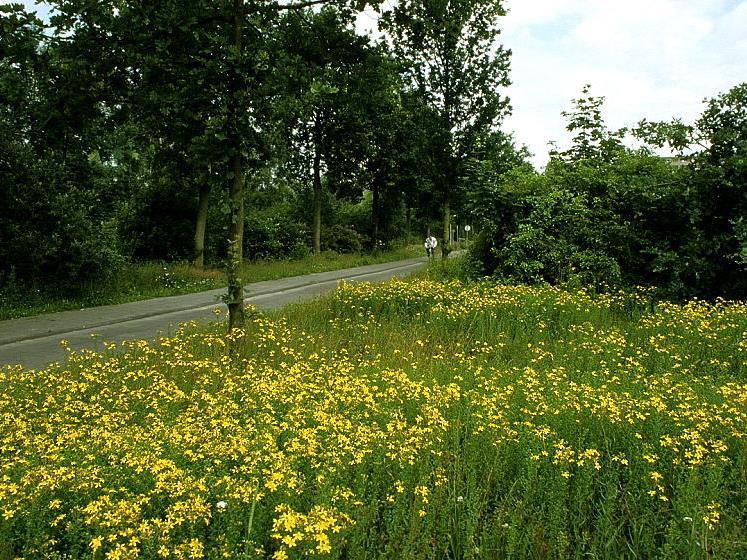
416 419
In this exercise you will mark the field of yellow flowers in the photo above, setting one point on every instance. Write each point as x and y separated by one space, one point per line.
411 420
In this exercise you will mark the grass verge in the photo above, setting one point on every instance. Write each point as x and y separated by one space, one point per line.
157 279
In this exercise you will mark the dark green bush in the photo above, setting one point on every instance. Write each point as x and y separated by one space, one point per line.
274 237
161 222
56 235
342 239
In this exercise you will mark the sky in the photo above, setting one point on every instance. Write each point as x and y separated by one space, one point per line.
653 59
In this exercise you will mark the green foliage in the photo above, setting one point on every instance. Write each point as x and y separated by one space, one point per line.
558 241
129 119
713 152
57 210
591 139
605 215
342 239
602 225
719 178
274 236
159 224
458 68
331 85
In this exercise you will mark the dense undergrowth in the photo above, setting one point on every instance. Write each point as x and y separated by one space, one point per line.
416 419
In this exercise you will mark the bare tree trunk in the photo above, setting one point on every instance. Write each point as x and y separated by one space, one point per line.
317 201
408 221
375 211
447 227
236 228
201 224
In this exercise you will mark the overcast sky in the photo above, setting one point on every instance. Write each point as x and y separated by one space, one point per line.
656 59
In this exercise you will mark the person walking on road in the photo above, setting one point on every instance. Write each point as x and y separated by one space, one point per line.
430 245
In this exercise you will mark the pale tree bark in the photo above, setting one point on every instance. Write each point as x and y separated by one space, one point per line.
317 226
236 196
201 225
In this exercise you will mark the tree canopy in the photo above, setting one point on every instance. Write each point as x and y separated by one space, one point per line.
220 131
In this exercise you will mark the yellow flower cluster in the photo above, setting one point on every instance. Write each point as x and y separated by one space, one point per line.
712 516
181 449
294 529
139 448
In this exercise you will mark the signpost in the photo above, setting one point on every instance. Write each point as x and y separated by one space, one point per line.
466 229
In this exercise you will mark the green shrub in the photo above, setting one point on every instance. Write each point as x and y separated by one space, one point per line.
272 237
161 222
342 239
56 235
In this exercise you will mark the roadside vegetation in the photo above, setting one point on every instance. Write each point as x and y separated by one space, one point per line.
575 388
215 133
414 419
139 281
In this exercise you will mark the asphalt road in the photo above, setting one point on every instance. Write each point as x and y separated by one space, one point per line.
34 342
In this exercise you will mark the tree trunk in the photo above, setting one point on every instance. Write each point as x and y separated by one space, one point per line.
317 201
375 212
200 225
447 227
408 222
236 245
236 197
449 167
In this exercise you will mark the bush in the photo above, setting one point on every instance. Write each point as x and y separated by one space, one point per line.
56 235
616 224
161 222
273 237
604 214
481 259
342 239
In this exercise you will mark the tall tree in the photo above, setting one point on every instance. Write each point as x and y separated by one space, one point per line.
591 139
322 59
377 97
55 203
224 42
454 58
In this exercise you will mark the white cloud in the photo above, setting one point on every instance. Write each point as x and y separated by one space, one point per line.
650 58
533 12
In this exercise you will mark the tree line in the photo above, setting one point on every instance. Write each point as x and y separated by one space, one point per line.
608 216
220 131
217 131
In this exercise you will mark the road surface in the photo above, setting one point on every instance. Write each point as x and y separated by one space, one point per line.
34 342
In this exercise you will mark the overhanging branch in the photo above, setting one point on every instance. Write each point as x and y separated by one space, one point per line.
277 6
